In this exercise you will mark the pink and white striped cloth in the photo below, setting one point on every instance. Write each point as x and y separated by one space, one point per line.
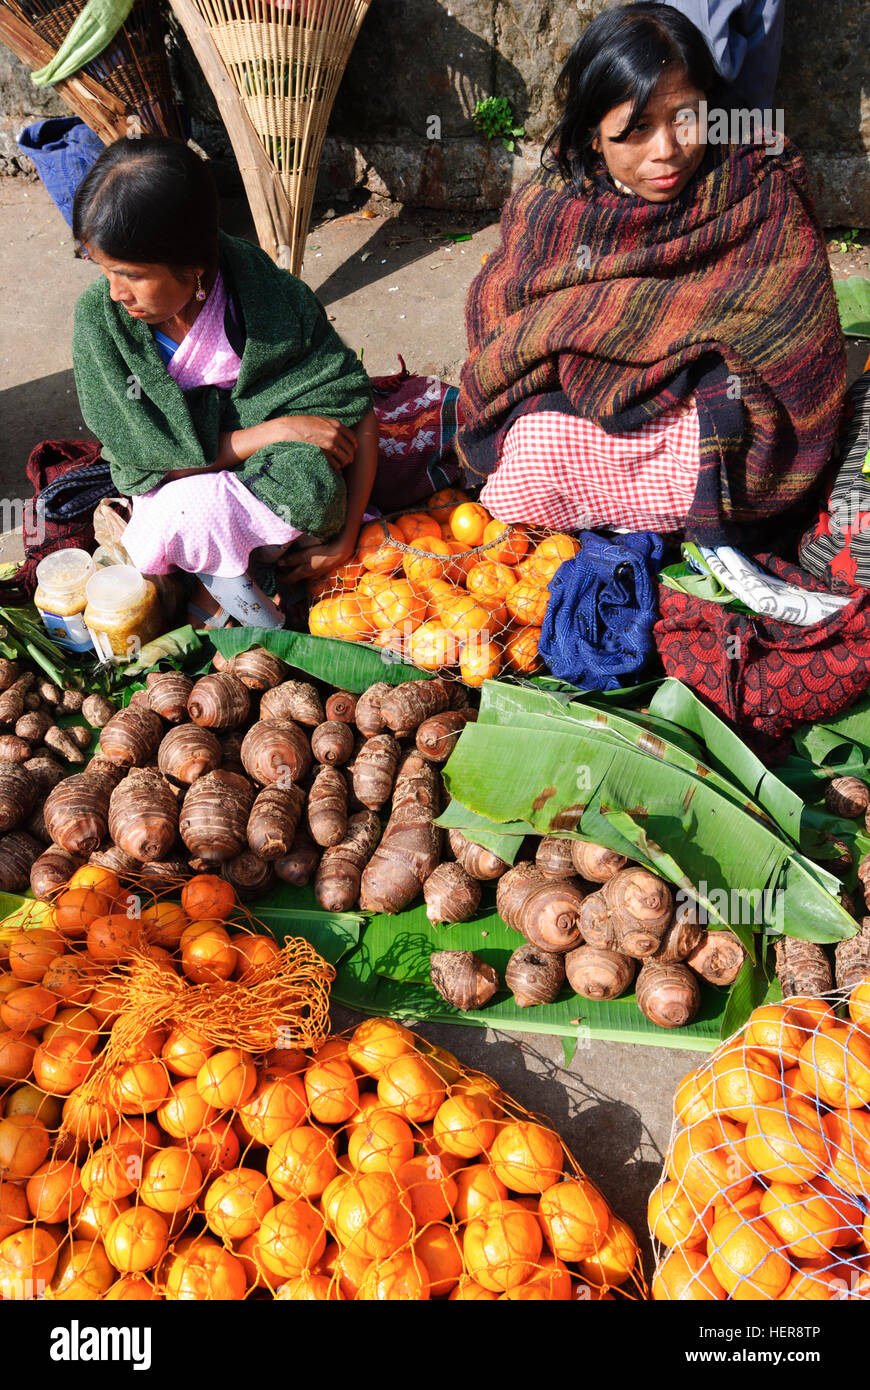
567 473
210 522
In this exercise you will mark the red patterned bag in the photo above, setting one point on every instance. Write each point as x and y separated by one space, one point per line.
765 676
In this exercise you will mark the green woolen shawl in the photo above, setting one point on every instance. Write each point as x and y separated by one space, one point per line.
293 363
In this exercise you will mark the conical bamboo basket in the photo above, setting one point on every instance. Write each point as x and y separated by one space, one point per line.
126 88
275 68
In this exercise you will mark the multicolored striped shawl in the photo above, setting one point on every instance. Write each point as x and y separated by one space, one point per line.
616 308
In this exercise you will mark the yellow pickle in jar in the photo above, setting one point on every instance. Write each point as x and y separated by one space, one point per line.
123 612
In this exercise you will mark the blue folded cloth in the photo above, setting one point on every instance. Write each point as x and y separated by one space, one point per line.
76 493
63 149
597 631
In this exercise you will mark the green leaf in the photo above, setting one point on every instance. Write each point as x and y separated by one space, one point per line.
173 647
569 1048
503 840
347 665
289 911
853 299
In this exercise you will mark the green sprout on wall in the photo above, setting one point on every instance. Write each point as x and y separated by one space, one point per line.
494 118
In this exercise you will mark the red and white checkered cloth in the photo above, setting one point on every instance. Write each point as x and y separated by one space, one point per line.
567 473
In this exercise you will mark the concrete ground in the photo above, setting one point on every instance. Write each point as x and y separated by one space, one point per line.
393 283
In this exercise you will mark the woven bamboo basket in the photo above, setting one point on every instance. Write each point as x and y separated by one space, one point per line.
275 69
126 89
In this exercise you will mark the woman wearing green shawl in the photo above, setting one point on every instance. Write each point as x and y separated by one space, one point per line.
225 403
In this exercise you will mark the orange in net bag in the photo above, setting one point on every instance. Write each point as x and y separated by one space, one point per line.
222 1147
447 588
767 1177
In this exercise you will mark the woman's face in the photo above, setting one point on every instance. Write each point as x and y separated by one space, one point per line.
666 147
152 293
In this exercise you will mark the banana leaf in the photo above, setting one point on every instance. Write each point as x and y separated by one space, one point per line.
503 840
853 300
348 665
176 648
288 912
679 824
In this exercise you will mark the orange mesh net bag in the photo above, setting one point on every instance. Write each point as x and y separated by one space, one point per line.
166 1134
766 1183
447 588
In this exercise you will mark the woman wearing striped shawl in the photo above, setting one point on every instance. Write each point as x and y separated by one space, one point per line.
655 344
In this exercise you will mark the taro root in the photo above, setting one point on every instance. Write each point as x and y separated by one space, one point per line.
462 978
682 936
248 873
596 925
131 737
803 968
479 862
12 700
48 691
368 717
554 858
219 701
411 845
406 706
214 816
187 752
257 668
231 751
160 874
549 915
71 701
18 853
300 865
296 700
33 725
668 995
18 793
273 820
14 749
373 770
437 737
32 701
139 700
718 959
121 863
9 673
80 735
341 705
852 958
641 907
327 807
46 772
98 711
332 742
54 867
143 816
596 973
168 694
276 750
35 825
451 895
513 888
533 976
339 873
62 742
847 796
595 862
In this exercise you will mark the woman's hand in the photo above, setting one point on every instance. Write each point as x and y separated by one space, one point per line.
314 558
336 440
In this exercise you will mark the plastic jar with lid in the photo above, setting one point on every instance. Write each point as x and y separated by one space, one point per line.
61 597
123 612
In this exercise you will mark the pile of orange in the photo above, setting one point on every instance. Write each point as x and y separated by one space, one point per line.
767 1181
444 587
370 1168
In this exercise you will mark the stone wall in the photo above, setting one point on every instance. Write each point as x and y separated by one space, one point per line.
402 123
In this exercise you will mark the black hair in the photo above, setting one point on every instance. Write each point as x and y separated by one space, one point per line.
152 200
620 58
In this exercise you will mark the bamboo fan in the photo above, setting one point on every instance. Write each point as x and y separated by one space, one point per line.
125 87
275 69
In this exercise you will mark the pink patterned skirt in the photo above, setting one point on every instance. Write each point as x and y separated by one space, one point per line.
567 473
